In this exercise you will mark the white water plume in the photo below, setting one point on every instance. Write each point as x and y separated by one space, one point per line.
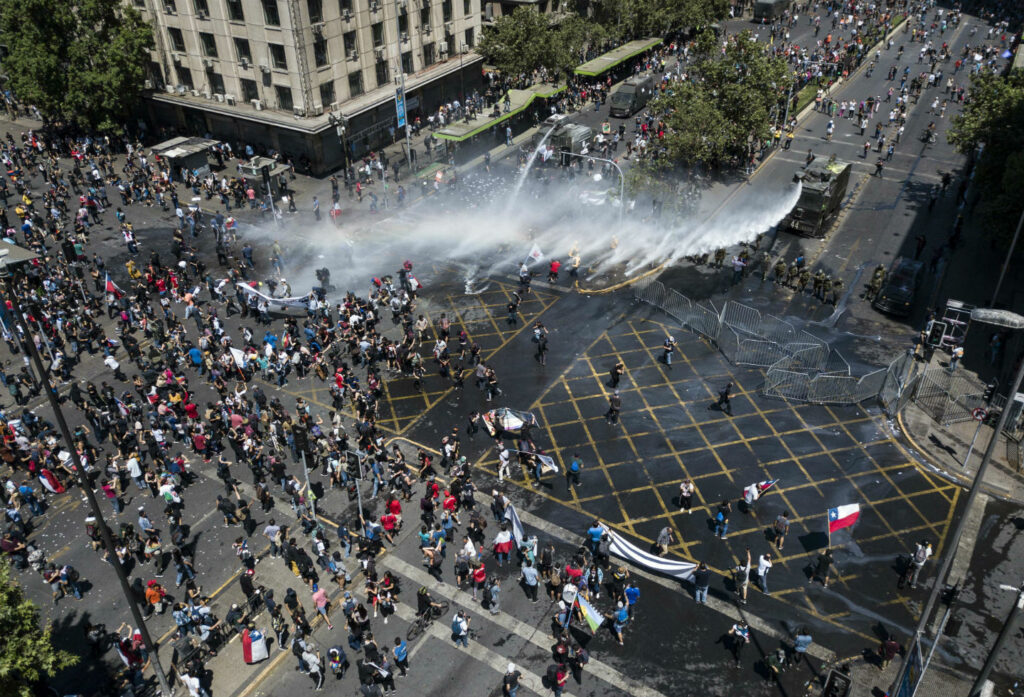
521 179
493 238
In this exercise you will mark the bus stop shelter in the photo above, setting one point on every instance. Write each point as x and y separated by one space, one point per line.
616 59
468 138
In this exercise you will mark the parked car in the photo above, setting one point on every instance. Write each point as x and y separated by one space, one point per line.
900 289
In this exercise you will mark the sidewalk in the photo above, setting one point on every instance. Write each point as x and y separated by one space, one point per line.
946 447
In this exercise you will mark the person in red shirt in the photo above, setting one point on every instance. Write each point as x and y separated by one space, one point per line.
553 271
389 522
479 578
561 676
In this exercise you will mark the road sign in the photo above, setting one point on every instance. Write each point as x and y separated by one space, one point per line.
979 414
400 106
911 673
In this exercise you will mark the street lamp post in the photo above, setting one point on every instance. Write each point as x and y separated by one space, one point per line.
1009 320
1006 261
1009 627
29 348
622 177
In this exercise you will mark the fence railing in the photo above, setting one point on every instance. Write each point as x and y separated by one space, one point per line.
799 365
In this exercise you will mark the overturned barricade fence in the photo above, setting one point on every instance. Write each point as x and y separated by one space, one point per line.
798 365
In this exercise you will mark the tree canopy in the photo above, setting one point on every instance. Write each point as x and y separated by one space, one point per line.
526 40
26 651
81 61
634 19
724 105
994 118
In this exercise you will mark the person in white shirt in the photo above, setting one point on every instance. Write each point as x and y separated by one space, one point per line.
764 565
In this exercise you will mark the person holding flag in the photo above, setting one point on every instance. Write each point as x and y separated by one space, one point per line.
842 517
753 492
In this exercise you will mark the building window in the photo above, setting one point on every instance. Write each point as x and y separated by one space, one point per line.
185 77
383 77
201 7
446 10
216 82
428 54
249 90
169 5
235 13
320 51
470 37
316 10
355 83
209 44
270 13
345 6
378 34
277 56
403 24
350 43
425 14
242 50
327 94
284 97
407 63
467 7
177 39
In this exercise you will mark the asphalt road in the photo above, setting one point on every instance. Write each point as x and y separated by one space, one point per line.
822 457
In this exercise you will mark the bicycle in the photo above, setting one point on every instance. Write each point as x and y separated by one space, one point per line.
421 623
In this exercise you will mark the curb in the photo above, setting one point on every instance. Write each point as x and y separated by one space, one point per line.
953 477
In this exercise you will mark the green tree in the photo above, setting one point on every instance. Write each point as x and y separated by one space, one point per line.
81 61
993 119
27 654
634 19
725 105
520 42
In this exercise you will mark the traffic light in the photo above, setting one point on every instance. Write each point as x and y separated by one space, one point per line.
352 465
935 333
990 391
301 439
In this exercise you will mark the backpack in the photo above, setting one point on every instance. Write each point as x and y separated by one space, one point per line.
456 626
583 656
920 555
73 574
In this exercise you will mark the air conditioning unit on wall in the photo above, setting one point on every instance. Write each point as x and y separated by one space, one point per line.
257 104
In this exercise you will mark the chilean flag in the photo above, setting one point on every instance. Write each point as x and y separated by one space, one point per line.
111 287
842 516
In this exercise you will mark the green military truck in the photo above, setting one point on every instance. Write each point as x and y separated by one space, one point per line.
824 188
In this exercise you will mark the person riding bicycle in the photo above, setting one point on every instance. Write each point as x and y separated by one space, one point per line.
424 602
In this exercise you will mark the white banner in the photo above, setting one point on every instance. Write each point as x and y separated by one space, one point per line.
297 301
626 550
517 525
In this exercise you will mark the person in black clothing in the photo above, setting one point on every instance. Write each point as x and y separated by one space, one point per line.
614 407
723 400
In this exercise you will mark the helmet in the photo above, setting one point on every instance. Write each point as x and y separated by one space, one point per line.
422 590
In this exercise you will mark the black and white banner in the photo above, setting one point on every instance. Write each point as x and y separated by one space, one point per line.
296 301
625 550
